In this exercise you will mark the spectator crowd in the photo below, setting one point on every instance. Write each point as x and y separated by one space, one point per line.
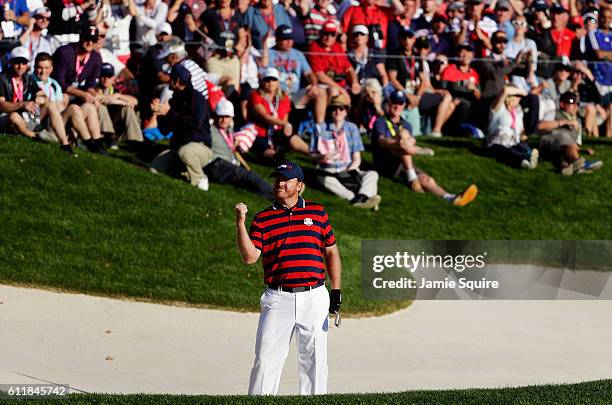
197 86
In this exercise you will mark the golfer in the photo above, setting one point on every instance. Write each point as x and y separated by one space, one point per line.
298 245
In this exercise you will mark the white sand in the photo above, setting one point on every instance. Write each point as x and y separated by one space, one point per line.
431 345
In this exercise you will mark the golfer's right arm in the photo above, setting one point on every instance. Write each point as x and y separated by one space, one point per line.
248 252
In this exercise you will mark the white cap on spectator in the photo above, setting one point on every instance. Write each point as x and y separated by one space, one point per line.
43 11
224 108
163 27
175 45
20 52
361 29
270 72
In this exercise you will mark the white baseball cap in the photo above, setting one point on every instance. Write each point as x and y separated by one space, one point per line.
175 45
43 11
224 108
361 29
20 52
271 72
163 27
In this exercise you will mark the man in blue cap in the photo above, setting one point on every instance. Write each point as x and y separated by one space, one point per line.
187 116
298 246
393 147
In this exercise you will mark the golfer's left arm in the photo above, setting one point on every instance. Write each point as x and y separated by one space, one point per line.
334 266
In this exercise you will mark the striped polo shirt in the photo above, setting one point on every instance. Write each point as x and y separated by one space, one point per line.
198 76
292 242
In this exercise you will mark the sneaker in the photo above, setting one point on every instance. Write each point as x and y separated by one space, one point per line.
369 203
416 186
435 134
525 164
67 149
534 158
424 151
468 195
46 136
203 183
574 167
590 166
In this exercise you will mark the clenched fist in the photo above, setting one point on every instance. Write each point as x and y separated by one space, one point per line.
241 211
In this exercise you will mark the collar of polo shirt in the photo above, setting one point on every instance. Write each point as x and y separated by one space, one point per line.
300 204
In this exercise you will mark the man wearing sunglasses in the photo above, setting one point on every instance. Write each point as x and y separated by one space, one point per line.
331 65
492 72
33 38
562 137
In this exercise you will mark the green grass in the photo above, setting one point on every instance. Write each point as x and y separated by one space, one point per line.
103 226
595 392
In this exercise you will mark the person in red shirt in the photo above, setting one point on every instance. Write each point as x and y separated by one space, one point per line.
373 16
463 82
269 109
561 35
330 64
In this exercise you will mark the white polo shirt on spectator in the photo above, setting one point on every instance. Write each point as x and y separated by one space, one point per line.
505 127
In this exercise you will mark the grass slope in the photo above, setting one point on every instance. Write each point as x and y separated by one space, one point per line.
100 225
595 392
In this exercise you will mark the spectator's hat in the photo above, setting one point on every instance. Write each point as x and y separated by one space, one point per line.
539 5
406 32
503 5
467 46
163 28
270 73
89 33
398 97
42 11
107 70
563 66
339 101
439 17
590 17
361 29
568 97
180 72
224 108
288 170
175 45
329 26
284 32
475 2
21 53
422 43
456 5
558 9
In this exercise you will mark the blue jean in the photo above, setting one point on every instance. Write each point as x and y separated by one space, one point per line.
511 156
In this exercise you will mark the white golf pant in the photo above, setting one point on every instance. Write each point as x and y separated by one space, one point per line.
282 314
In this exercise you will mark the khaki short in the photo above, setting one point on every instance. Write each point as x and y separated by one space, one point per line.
551 144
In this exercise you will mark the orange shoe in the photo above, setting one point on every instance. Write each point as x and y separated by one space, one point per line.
468 195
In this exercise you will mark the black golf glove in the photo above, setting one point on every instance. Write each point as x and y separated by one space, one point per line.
335 300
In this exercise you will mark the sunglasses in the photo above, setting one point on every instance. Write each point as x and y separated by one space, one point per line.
269 79
40 17
329 34
19 62
335 108
519 23
591 20
500 41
